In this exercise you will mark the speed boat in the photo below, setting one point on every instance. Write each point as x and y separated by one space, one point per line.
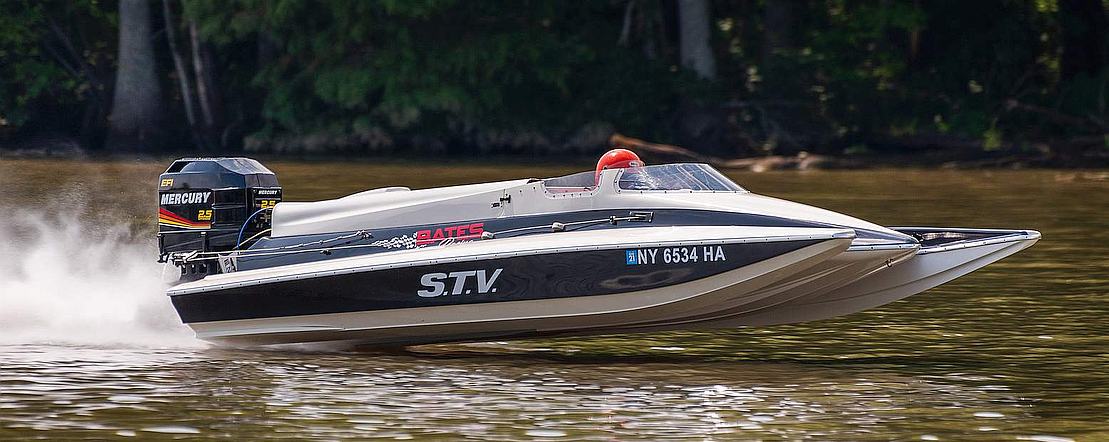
626 247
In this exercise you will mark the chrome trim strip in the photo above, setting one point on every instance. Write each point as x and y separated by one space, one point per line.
901 246
1006 237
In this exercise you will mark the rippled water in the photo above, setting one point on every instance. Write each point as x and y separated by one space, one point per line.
1017 351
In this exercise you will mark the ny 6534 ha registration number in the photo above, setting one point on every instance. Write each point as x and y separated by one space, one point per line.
674 255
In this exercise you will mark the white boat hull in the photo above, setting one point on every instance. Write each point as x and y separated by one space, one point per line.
533 317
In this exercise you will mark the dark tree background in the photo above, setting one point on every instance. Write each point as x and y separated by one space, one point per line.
724 77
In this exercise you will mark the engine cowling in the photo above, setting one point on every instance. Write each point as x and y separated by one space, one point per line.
213 205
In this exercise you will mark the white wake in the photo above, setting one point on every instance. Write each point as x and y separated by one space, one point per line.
69 280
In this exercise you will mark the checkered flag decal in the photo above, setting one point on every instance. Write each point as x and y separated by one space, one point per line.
396 242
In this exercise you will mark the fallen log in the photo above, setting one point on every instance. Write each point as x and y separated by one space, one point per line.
802 161
665 150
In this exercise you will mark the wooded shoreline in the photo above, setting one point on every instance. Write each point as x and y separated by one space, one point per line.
809 83
932 157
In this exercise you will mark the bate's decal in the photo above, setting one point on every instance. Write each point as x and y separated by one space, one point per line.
674 255
172 199
167 218
449 233
436 284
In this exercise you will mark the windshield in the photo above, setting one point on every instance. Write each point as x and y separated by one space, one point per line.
577 180
686 176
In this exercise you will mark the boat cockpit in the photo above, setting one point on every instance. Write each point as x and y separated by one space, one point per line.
677 177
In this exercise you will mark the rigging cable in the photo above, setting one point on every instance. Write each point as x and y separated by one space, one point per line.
286 250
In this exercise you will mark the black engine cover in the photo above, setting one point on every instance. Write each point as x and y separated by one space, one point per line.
203 204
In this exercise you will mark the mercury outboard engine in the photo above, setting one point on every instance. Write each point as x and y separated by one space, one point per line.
213 205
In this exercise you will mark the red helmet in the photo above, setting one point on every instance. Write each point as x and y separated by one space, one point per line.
616 159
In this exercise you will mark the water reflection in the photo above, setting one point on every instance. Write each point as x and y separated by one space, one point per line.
1017 350
491 391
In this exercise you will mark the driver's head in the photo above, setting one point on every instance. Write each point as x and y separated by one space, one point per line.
616 159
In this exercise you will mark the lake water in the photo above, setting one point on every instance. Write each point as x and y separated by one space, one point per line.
91 349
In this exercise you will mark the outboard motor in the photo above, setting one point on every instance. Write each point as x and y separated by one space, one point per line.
212 205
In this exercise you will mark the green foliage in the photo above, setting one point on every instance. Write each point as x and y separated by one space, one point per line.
843 75
42 49
433 65
901 69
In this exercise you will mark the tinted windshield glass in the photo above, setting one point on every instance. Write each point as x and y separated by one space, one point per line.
581 179
696 177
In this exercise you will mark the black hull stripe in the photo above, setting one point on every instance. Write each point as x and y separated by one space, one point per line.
570 274
404 236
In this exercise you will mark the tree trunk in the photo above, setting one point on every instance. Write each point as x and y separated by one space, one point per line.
137 100
698 127
695 25
1084 26
205 83
179 64
652 28
914 41
626 28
